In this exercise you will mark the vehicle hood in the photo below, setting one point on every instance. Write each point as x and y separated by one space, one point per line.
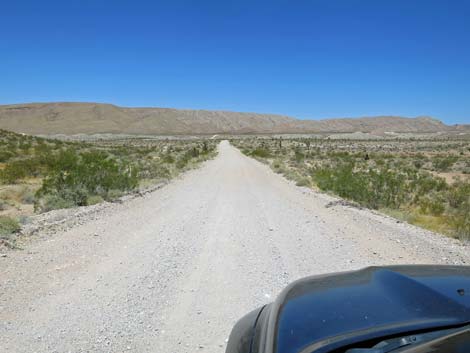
322 313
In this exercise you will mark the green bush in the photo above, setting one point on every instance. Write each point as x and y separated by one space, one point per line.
459 201
20 169
5 156
94 199
8 226
154 171
443 164
375 189
432 205
302 182
52 202
168 158
205 148
458 194
182 162
114 194
423 183
418 163
194 152
460 220
392 175
298 155
76 176
261 152
14 172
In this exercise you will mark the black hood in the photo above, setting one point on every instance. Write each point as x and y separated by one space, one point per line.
318 312
325 313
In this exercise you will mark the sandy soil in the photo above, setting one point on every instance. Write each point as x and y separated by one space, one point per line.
172 271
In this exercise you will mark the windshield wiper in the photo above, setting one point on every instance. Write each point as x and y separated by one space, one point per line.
392 344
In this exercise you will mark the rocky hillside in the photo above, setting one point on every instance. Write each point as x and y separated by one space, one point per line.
92 118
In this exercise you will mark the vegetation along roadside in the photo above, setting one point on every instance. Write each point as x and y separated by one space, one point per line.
39 174
424 182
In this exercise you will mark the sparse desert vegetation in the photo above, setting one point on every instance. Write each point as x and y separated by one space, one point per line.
424 182
39 174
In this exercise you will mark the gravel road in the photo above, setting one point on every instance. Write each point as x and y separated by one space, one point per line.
173 270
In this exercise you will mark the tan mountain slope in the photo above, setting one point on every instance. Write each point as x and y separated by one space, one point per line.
377 124
92 118
89 118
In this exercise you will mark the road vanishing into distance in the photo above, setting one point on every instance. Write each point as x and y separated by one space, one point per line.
172 271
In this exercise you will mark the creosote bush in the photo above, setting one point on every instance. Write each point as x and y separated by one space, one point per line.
76 177
381 188
55 174
8 226
261 152
400 177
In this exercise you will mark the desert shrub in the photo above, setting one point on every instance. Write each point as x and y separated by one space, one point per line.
168 158
183 161
261 152
27 196
458 194
76 176
278 166
154 171
194 152
13 173
17 170
298 155
5 156
461 223
8 226
375 189
25 146
114 194
386 188
379 162
302 181
205 148
433 205
341 181
418 163
443 164
459 201
162 173
52 202
3 205
94 199
389 175
460 220
423 183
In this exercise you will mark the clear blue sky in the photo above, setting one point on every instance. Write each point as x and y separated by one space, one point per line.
309 59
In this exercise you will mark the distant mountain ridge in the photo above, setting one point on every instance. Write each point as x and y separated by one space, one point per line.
95 118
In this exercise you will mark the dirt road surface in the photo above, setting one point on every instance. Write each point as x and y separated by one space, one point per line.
173 271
